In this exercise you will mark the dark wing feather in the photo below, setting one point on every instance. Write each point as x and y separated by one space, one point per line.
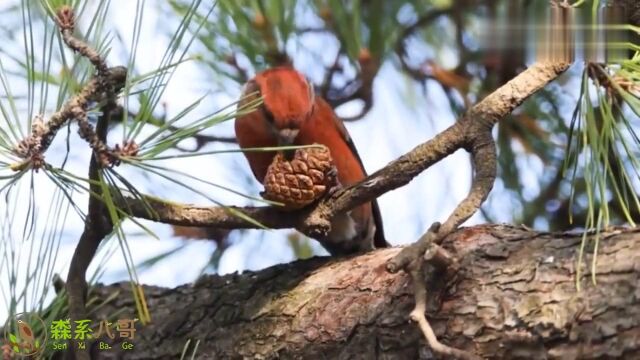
379 240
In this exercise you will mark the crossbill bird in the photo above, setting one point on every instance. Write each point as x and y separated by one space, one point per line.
291 114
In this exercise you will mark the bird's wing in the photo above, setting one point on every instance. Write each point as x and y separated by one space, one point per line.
379 240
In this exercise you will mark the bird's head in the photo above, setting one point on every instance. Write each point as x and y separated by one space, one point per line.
288 100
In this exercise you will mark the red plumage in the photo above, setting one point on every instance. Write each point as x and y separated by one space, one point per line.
292 115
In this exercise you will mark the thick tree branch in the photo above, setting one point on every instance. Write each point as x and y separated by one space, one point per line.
513 297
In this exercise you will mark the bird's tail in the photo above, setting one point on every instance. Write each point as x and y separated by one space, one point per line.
379 240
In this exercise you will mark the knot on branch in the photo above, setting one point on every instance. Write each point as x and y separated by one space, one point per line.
415 251
116 78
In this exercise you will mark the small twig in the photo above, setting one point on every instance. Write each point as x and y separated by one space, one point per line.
67 22
201 139
401 52
358 88
58 284
33 147
432 340
42 134
86 132
416 271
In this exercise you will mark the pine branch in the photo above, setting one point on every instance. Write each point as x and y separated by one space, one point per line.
316 221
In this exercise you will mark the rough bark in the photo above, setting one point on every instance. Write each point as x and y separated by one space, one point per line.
514 296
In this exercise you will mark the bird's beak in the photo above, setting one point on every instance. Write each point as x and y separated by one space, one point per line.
286 137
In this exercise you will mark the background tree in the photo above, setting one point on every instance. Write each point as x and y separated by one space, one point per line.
555 171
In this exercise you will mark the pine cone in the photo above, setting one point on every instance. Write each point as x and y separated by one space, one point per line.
300 181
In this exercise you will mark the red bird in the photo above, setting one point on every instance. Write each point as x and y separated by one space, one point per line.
291 114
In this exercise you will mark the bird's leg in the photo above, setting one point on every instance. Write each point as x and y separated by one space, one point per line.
333 183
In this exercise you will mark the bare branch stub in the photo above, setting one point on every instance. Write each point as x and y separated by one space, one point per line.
413 257
472 132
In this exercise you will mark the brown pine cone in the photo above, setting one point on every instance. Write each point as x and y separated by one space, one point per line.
300 181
